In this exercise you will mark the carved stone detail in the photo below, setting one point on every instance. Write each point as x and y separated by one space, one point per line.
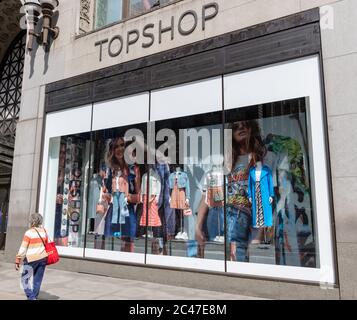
86 16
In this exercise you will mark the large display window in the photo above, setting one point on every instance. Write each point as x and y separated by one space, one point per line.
64 177
216 175
270 216
116 204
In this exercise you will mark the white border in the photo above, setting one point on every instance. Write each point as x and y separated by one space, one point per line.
136 105
186 99
115 255
70 251
184 262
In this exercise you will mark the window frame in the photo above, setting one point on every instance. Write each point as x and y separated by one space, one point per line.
307 84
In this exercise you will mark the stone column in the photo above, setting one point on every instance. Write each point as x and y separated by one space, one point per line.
340 65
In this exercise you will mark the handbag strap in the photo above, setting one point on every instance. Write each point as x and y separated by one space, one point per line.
41 237
48 239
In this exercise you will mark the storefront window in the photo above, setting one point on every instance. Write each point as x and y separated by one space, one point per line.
181 177
270 218
189 181
69 158
177 207
115 195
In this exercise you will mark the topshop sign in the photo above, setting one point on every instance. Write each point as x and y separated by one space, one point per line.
151 33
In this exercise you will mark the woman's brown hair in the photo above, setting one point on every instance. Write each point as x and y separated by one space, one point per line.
254 143
110 159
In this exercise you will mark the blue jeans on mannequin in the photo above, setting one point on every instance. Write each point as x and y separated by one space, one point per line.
239 224
215 222
35 271
129 227
120 208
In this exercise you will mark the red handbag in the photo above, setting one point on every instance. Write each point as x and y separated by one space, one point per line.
50 248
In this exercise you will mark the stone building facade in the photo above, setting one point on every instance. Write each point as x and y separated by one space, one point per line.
88 66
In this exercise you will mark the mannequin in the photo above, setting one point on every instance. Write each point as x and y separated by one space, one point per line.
150 216
213 188
152 199
258 174
180 193
120 200
261 194
94 188
166 213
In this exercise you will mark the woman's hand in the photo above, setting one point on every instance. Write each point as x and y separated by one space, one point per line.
17 266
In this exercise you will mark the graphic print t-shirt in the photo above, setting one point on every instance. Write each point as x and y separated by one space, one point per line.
213 186
237 186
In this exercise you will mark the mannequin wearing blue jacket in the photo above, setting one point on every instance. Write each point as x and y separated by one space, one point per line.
261 195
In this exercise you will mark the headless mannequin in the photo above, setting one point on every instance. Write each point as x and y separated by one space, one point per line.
258 173
180 233
178 170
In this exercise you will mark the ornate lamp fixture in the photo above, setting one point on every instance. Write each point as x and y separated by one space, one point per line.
34 9
48 6
33 12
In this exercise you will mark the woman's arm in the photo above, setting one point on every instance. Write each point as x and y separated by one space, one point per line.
22 251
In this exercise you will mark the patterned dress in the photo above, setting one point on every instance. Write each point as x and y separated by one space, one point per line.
152 214
178 197
259 206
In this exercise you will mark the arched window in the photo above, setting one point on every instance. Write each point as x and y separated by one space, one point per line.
11 70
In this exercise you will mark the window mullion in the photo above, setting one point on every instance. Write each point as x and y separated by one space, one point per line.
125 6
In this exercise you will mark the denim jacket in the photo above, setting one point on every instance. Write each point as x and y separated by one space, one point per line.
182 182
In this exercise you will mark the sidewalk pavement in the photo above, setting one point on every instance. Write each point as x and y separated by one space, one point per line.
64 285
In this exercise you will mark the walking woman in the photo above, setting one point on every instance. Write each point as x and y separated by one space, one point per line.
33 254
